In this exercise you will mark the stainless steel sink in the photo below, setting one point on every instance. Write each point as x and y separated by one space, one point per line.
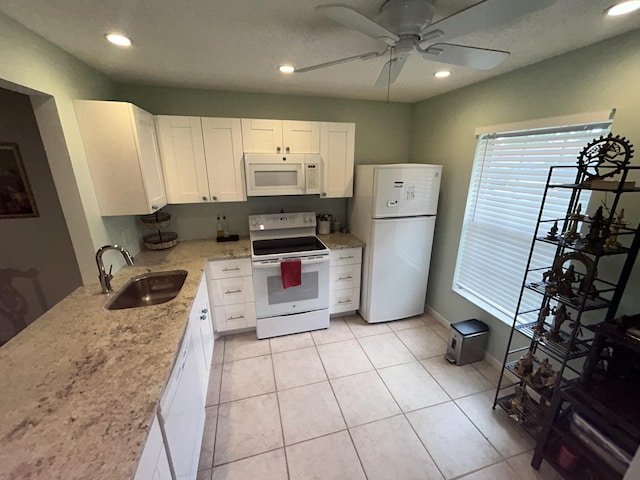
148 289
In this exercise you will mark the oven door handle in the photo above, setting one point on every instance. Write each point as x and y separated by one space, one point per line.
277 264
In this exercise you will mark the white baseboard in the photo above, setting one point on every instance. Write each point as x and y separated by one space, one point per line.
429 309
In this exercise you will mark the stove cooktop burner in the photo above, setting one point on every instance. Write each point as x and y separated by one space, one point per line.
287 245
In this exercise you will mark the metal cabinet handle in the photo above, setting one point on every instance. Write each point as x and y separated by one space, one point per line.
278 149
228 292
205 310
324 194
154 207
344 301
230 269
214 198
346 258
235 318
345 278
203 317
204 199
287 150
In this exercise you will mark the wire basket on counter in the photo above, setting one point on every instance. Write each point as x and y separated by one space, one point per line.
159 240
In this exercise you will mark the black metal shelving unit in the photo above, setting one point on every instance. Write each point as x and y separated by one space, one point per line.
541 408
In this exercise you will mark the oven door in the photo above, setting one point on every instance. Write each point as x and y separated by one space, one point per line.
272 299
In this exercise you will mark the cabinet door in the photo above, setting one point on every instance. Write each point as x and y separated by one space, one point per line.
153 463
206 326
109 138
261 136
183 159
149 156
300 137
182 408
223 152
337 149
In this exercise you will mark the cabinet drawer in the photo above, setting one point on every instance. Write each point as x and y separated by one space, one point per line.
345 276
233 317
238 267
344 300
346 256
231 291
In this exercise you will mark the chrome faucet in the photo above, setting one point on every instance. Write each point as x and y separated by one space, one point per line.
105 278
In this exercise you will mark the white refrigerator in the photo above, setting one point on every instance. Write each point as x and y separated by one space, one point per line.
393 210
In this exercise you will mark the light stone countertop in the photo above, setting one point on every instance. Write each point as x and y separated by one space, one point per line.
336 241
80 385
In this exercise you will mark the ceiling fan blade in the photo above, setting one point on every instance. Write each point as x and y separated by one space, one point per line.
364 56
478 58
353 19
483 15
390 71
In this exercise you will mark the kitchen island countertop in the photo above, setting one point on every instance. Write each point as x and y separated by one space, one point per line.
80 385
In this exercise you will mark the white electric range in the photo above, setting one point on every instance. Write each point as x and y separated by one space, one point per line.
276 238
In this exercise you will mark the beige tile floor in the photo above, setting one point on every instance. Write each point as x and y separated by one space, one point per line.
357 401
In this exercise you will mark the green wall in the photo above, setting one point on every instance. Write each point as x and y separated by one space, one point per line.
598 77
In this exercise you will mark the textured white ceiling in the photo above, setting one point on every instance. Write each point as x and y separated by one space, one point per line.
238 44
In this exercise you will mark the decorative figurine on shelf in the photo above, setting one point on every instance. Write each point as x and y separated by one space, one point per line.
519 403
524 366
560 315
544 376
553 233
538 328
605 157
598 231
564 284
572 233
612 244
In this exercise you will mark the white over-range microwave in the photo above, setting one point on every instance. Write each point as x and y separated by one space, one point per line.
282 174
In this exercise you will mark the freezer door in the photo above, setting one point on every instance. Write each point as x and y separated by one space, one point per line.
406 190
398 260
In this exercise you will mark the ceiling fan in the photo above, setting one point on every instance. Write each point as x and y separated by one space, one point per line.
409 28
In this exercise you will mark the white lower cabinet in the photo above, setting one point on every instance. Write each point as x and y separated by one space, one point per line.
154 464
344 286
172 450
231 294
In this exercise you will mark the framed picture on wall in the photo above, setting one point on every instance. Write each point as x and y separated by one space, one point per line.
16 198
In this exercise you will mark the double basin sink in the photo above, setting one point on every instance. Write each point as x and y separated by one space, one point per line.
148 289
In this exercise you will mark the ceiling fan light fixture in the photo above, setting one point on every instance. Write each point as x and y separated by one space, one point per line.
118 39
623 8
287 69
442 74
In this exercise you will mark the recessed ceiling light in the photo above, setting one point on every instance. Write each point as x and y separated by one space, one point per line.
442 74
117 39
624 7
287 68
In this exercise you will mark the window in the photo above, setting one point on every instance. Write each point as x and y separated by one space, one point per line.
509 175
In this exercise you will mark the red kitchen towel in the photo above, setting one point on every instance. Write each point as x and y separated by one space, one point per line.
291 273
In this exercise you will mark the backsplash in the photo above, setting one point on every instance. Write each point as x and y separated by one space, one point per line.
198 221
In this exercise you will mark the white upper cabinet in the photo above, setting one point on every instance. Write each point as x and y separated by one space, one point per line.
182 152
223 151
280 136
202 158
122 153
337 149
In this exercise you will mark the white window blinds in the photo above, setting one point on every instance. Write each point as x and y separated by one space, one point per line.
507 184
